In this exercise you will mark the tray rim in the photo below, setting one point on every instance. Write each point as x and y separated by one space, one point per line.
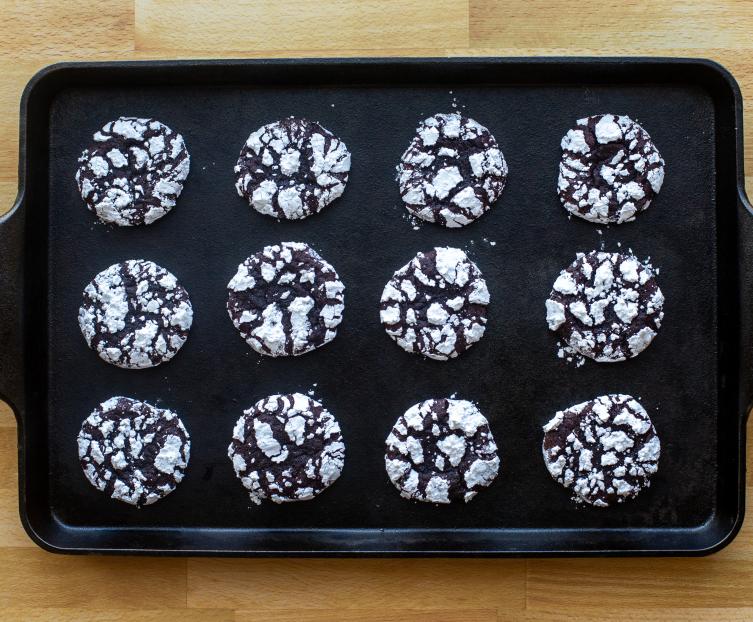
11 246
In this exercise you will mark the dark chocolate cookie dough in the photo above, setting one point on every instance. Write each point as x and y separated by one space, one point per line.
610 170
452 171
605 450
286 448
436 304
292 168
133 172
286 300
441 451
607 306
135 314
132 451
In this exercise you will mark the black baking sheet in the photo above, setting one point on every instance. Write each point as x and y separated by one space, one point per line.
687 379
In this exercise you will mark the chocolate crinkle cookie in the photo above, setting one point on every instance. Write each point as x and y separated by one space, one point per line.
436 304
610 170
452 171
440 451
286 448
292 168
133 451
607 306
286 300
135 314
605 450
133 172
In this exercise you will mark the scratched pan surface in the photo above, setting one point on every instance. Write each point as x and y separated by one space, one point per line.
693 379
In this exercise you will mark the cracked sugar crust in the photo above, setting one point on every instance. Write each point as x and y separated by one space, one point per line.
440 451
135 314
133 172
292 168
436 304
286 300
605 451
452 171
133 451
607 306
610 170
286 448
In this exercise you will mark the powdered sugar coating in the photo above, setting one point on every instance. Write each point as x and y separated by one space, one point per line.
286 448
436 304
605 450
286 300
133 451
440 451
607 306
452 171
610 169
133 172
292 168
135 314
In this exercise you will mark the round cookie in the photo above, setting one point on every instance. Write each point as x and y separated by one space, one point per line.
286 448
286 300
292 168
133 451
436 304
452 171
607 306
605 450
610 170
133 172
440 451
135 314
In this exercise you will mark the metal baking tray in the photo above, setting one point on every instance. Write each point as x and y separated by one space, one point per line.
695 379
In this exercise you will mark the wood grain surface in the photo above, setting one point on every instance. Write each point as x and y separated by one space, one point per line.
35 585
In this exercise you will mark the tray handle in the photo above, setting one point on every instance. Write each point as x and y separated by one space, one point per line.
11 305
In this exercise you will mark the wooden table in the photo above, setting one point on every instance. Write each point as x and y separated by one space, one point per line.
35 585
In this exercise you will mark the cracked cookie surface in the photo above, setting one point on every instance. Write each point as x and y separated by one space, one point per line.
132 451
605 450
287 448
607 306
440 451
286 300
452 172
610 169
133 172
292 168
436 304
135 314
